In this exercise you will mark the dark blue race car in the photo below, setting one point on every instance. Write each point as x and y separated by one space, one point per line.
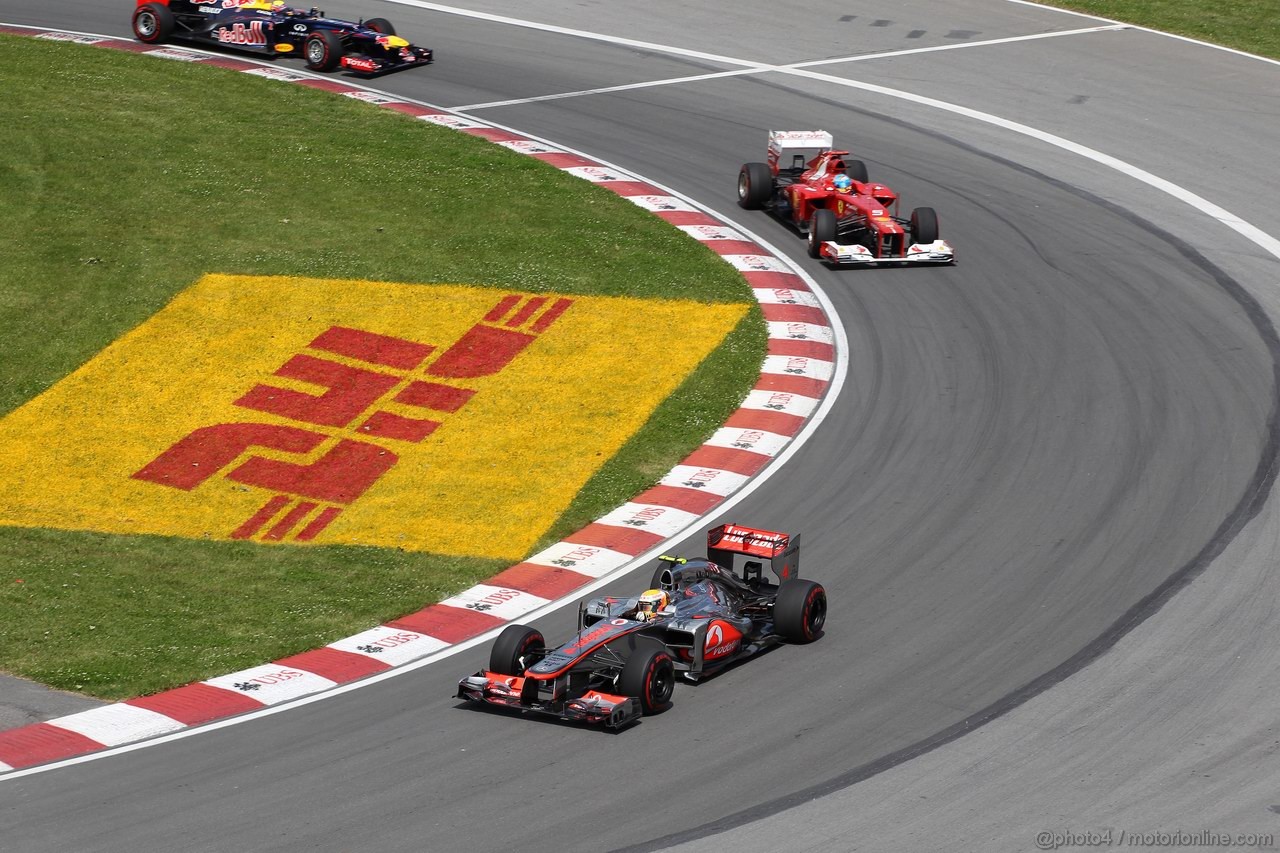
271 28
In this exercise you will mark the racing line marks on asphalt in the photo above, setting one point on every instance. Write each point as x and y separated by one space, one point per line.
760 69
801 376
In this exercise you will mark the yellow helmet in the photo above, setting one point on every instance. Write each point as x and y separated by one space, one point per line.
651 601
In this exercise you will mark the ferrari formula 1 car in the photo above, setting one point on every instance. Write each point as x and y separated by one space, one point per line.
270 27
830 199
698 617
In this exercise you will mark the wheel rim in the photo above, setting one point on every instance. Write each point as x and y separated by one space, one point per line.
146 24
315 51
742 185
817 615
661 685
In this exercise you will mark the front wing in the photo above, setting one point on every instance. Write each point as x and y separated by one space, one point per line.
369 66
593 707
852 254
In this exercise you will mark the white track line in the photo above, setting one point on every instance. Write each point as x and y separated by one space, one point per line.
1188 39
766 68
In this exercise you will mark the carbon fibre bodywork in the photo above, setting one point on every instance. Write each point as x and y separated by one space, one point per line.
826 196
712 618
270 28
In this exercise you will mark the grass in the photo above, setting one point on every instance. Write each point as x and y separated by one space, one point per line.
125 178
1249 25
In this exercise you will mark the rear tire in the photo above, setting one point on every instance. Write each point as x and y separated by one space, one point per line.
821 229
800 610
650 676
512 649
381 25
152 23
924 225
323 50
857 170
755 185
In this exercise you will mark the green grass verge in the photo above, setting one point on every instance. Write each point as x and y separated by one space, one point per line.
1249 25
125 178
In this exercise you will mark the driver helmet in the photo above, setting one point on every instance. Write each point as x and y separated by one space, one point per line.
651 601
843 183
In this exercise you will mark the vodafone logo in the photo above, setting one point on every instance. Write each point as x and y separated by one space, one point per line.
715 636
717 645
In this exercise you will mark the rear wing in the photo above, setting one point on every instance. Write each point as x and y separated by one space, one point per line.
780 549
793 150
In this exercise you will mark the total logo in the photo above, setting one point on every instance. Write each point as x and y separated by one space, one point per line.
717 644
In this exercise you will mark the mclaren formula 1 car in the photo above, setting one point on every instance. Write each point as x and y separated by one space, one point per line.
699 616
829 198
271 28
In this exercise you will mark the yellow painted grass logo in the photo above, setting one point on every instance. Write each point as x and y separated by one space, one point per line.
449 419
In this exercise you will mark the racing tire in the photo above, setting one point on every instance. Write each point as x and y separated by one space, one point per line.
800 610
152 23
323 50
821 229
380 25
650 676
924 225
512 648
857 170
755 185
656 581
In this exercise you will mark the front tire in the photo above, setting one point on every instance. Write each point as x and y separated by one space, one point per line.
152 23
513 649
650 676
857 170
323 50
821 229
380 25
755 185
924 225
800 610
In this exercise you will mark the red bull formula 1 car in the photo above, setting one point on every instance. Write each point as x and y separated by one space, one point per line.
699 616
271 28
829 198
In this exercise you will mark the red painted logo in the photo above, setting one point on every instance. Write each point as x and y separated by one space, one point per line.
310 495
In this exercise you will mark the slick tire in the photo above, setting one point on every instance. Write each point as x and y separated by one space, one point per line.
650 676
656 581
821 229
512 649
800 610
323 50
381 25
857 170
152 23
755 185
924 225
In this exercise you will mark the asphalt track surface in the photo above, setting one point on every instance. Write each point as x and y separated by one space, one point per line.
1069 434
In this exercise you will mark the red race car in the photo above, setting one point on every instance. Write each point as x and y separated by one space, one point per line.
829 197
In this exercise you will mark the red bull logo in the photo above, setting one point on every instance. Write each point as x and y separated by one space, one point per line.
240 34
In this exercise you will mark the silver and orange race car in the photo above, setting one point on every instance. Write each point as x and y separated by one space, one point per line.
698 616
270 28
828 197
